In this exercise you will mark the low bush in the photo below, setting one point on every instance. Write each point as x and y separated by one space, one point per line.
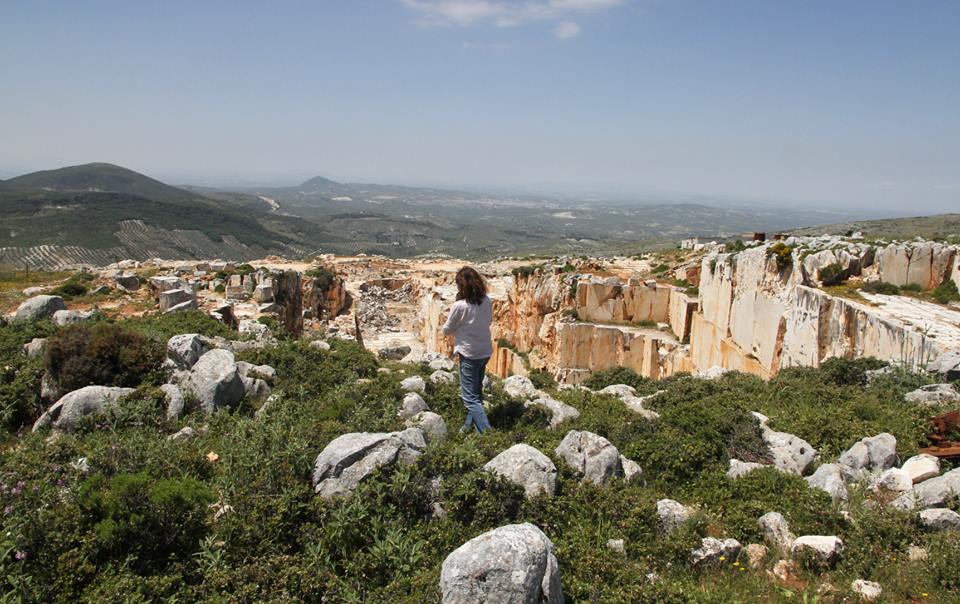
102 354
164 327
782 253
833 274
880 287
946 293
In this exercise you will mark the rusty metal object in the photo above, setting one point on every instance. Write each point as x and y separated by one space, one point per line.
943 425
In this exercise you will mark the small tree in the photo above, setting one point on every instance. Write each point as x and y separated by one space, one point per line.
833 274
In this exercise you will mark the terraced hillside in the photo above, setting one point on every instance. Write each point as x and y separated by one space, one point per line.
98 212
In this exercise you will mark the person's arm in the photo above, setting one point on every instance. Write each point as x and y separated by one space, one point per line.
453 320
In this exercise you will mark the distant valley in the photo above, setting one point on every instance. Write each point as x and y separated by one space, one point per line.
98 213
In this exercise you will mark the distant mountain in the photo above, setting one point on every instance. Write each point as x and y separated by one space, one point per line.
318 185
100 177
99 213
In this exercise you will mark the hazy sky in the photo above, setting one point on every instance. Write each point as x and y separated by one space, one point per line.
829 102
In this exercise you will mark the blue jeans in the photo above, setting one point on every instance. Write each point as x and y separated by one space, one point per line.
471 391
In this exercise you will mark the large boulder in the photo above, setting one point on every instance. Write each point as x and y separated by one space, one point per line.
173 400
432 425
513 564
215 381
66 412
714 551
526 466
738 468
934 492
892 480
872 454
518 386
176 300
940 519
185 350
826 549
414 383
933 395
127 281
672 514
776 531
63 318
790 453
350 458
947 365
559 412
829 478
39 307
412 404
921 467
442 377
591 456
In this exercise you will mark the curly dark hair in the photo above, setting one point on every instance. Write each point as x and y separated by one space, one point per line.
470 286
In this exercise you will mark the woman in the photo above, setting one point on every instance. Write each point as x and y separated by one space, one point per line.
469 323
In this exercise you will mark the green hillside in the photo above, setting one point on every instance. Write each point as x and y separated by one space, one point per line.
939 226
101 177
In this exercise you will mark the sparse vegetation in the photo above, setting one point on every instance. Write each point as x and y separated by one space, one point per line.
946 293
833 274
145 519
880 287
782 253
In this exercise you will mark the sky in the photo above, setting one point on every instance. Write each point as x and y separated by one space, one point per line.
831 103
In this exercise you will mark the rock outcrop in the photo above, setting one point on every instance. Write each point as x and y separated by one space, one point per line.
527 467
39 307
350 458
66 413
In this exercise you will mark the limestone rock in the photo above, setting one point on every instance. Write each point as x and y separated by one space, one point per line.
215 381
892 480
320 345
35 348
518 386
393 353
432 425
616 545
776 531
874 453
933 492
756 554
631 469
256 329
414 383
185 433
256 390
526 466
711 551
174 299
127 281
790 453
442 377
259 372
39 307
173 400
350 458
72 317
826 549
412 404
947 365
940 519
921 467
739 468
867 590
186 349
441 364
66 412
829 479
933 395
916 553
513 564
591 456
559 411
672 514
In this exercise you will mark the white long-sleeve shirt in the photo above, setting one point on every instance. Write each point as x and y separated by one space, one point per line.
470 325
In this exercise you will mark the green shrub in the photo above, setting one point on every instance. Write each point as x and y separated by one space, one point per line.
660 268
880 287
164 327
20 377
946 293
833 274
782 253
147 519
102 354
619 375
542 379
912 288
